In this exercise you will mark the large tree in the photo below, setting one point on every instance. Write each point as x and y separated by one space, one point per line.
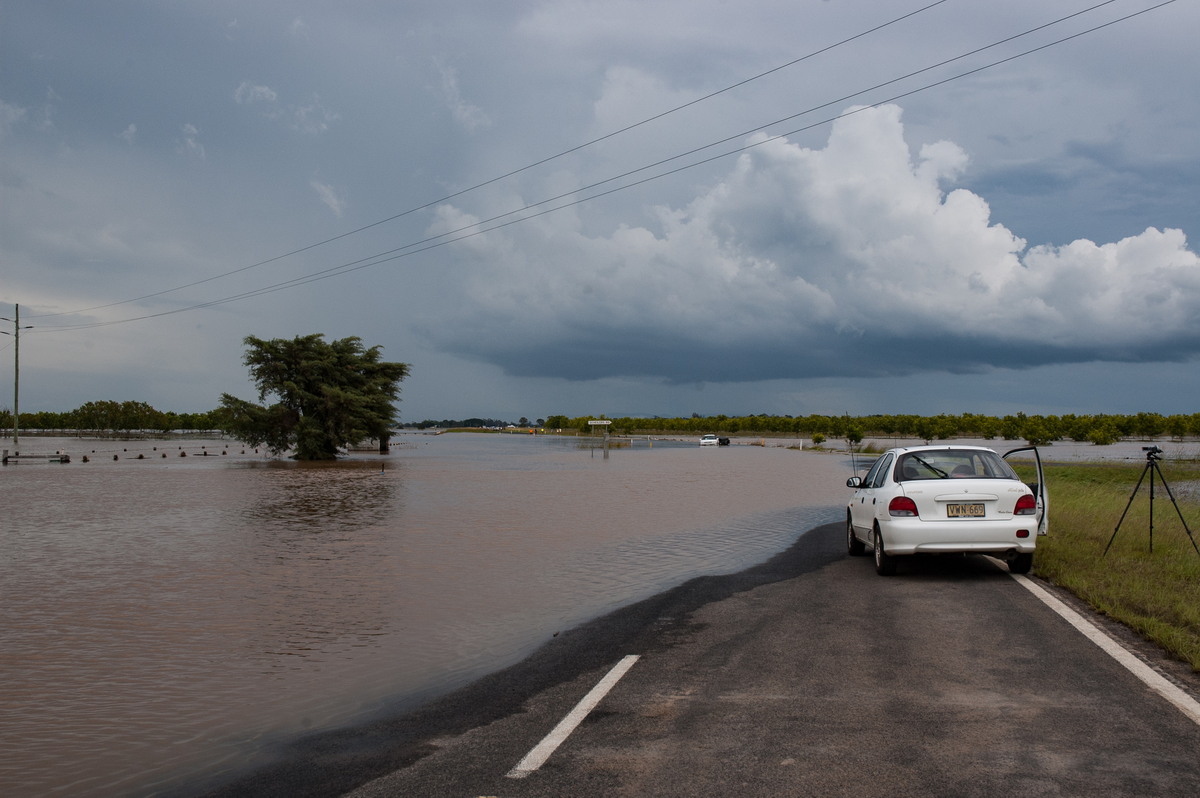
328 395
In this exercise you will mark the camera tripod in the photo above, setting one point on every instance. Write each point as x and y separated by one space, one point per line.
1153 454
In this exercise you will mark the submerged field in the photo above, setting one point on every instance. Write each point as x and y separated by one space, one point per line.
1155 592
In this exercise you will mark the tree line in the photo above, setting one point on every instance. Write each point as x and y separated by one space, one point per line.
113 418
1037 429
466 423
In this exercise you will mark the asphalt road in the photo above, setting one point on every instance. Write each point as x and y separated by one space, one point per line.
808 675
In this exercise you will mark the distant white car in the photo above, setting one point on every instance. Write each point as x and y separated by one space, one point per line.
710 440
946 499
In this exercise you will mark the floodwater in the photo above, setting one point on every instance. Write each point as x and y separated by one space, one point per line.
168 618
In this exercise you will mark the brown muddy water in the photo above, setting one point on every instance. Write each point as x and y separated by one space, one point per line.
169 619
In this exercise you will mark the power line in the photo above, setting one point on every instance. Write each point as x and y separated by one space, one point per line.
507 175
476 228
742 134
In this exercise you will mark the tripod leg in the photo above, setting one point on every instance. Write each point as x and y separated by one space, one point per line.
1153 467
1177 510
1127 505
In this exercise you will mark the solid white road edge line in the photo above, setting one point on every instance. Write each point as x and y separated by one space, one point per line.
1153 679
558 735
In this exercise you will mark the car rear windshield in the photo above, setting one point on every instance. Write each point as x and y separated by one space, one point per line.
953 464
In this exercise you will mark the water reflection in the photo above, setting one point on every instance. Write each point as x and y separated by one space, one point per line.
323 497
318 559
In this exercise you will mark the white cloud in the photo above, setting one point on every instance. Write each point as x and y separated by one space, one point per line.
190 144
629 95
248 93
1143 289
311 118
469 116
129 134
333 199
846 259
10 115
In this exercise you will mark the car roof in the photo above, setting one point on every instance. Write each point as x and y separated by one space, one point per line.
942 448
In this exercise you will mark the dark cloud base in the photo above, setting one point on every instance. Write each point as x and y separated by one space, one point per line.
650 354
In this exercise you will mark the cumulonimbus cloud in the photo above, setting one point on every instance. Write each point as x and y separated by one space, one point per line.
851 259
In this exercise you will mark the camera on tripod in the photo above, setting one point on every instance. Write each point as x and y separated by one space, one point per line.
1153 455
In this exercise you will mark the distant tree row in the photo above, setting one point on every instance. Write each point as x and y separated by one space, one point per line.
466 423
109 417
1037 429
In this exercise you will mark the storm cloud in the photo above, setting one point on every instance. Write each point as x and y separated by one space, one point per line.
858 258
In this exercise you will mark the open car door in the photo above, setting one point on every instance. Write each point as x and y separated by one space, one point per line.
1038 488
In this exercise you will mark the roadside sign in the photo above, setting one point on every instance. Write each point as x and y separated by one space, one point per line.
600 422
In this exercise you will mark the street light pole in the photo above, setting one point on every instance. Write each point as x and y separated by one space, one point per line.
16 334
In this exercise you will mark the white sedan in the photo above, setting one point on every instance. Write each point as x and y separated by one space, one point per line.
943 500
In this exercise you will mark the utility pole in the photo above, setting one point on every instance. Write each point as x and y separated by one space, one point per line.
16 334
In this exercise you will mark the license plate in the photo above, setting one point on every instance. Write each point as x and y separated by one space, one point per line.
964 510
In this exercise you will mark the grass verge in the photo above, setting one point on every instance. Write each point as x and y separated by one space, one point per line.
1156 593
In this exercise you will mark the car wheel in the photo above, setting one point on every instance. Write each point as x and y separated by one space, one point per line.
885 564
1020 563
854 546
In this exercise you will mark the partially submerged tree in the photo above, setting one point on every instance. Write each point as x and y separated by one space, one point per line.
329 395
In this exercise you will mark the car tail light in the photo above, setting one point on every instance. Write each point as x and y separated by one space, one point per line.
902 506
1026 505
1022 533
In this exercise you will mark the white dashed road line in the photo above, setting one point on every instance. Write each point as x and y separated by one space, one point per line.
558 735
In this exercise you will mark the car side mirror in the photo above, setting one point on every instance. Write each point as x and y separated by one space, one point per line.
854 482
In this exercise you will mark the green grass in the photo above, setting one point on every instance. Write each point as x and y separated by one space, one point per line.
1156 593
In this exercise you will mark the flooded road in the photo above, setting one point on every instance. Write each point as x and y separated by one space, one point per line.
170 617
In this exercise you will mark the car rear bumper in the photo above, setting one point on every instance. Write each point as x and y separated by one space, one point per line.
955 537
